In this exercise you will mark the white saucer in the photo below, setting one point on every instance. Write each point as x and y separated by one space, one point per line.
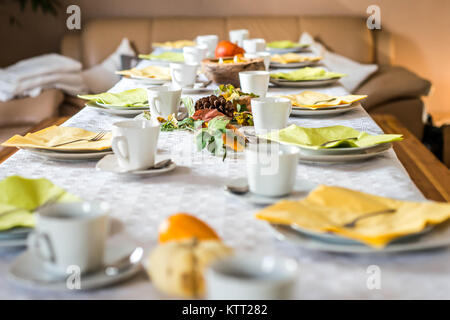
28 271
304 83
68 156
301 189
323 111
110 164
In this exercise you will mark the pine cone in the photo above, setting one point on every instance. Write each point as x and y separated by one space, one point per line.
215 102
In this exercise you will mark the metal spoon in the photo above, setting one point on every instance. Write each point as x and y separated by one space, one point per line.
162 164
125 263
239 186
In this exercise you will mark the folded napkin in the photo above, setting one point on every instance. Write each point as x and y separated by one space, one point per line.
164 56
327 209
314 138
129 98
153 72
307 74
179 44
315 100
54 135
292 58
284 44
26 194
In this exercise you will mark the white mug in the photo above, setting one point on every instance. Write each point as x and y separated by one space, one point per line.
261 54
271 168
254 45
256 82
163 101
238 36
210 41
270 113
135 143
252 277
70 234
195 55
183 74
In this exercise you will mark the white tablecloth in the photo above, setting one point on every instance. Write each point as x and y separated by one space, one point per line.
196 187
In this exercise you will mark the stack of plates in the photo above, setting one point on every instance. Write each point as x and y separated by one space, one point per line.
148 81
287 50
69 155
292 64
303 83
117 110
16 237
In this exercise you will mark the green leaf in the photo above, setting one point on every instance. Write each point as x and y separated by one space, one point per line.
218 124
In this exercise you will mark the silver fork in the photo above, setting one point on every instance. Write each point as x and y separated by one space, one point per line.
98 137
353 223
50 201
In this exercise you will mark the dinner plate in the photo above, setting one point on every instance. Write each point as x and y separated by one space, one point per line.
28 271
116 112
323 111
149 81
439 237
108 106
287 50
110 164
68 156
343 151
15 233
13 243
303 64
301 189
304 83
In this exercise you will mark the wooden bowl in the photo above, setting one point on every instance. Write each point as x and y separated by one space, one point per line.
228 73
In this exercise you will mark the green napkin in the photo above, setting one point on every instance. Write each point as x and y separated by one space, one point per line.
285 44
165 56
307 74
26 194
313 138
129 98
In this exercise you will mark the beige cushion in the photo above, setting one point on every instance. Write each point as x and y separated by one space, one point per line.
171 29
101 37
347 36
269 28
29 111
391 83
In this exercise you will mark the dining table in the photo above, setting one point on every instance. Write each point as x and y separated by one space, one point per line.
196 186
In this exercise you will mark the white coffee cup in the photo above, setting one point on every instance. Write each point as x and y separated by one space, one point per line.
183 74
254 45
135 143
70 234
211 41
252 277
261 54
238 36
270 113
256 82
271 168
195 55
163 101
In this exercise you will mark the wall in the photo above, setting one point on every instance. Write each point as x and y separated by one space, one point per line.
420 28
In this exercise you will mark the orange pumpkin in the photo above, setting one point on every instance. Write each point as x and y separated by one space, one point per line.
227 49
184 226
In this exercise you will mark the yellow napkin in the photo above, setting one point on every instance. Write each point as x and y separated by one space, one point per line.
164 56
154 72
53 135
26 194
293 57
315 100
327 209
179 44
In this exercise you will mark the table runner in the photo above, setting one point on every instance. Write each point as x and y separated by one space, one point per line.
196 187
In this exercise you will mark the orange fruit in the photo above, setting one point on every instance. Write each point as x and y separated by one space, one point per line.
184 226
227 49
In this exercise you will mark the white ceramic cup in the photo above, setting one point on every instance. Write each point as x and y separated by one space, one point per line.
195 55
163 101
256 82
70 234
261 54
271 168
183 74
252 277
135 143
254 45
270 113
238 36
211 41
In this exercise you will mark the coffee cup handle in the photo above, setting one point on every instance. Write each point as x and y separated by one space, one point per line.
115 143
156 102
40 245
176 74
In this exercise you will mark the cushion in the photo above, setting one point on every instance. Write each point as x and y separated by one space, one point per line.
391 83
269 28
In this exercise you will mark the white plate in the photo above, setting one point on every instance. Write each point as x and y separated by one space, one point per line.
15 233
196 90
344 151
287 50
50 154
28 271
439 237
117 112
323 111
301 189
305 83
149 81
13 243
108 106
303 64
110 164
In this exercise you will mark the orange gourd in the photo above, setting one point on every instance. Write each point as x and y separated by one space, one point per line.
184 226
